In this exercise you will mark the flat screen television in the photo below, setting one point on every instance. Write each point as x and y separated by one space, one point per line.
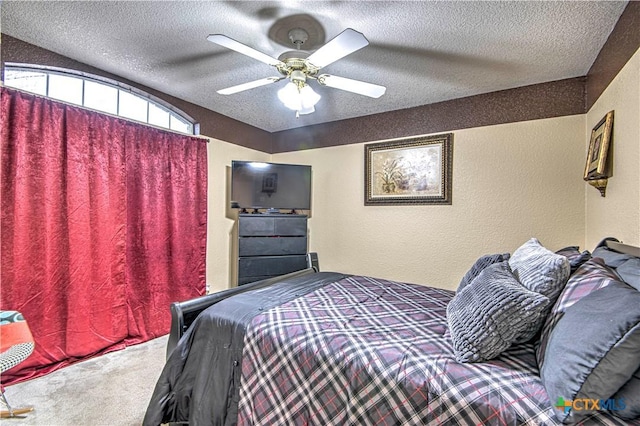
271 186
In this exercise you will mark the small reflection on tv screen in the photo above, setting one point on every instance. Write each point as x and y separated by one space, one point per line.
257 185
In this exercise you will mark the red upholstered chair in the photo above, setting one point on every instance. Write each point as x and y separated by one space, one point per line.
16 344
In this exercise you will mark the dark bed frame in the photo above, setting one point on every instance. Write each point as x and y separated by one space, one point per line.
184 313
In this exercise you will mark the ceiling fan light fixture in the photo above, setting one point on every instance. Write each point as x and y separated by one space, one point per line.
305 111
300 99
309 97
298 66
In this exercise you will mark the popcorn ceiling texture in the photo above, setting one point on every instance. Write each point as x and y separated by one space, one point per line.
423 52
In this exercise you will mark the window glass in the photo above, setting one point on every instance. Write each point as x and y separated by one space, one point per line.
101 97
65 88
132 106
95 94
31 81
158 116
180 125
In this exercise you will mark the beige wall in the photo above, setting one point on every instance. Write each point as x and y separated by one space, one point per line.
618 213
510 182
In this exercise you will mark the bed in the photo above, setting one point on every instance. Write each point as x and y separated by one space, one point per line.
326 348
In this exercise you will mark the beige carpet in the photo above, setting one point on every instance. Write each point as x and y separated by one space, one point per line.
112 389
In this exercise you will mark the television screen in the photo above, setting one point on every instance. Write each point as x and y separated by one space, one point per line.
256 185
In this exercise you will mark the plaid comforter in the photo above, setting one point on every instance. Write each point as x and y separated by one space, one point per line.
365 351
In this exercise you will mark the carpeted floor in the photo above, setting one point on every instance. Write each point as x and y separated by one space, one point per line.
112 389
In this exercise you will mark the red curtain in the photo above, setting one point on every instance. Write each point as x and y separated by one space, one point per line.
166 228
103 226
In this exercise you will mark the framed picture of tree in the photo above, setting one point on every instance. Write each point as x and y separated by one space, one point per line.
414 170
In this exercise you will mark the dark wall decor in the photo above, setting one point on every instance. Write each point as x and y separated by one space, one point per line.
409 171
597 169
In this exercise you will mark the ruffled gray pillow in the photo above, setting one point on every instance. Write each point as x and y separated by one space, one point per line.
539 269
492 313
480 264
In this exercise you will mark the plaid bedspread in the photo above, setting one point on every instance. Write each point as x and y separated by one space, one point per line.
365 351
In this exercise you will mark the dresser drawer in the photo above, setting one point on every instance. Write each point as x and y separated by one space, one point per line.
263 225
291 226
270 265
271 246
247 280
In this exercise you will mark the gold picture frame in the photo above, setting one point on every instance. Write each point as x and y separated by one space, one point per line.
596 166
413 171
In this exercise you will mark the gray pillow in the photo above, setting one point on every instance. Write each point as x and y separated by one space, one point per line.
629 271
594 349
590 276
540 269
479 265
574 256
611 258
491 313
630 394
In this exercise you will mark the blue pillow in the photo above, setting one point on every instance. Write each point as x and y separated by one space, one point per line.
593 350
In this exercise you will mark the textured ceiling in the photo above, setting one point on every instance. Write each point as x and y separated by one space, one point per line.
423 51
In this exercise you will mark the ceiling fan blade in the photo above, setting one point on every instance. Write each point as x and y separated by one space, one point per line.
249 85
230 43
350 85
343 44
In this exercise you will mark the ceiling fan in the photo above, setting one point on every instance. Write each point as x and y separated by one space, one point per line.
299 67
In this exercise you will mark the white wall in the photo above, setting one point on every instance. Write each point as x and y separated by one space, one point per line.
618 213
510 182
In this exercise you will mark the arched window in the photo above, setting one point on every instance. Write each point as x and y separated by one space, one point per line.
98 93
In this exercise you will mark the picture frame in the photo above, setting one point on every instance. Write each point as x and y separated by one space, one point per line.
413 171
596 166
